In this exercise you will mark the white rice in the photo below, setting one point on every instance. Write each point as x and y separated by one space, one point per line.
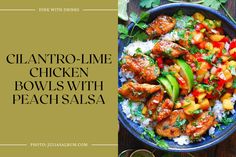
212 131
131 109
182 140
124 76
172 36
143 46
218 110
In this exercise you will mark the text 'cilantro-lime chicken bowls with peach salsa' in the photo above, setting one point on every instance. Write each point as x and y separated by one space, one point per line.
178 80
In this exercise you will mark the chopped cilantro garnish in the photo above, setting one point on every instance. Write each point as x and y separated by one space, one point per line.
226 121
208 58
157 139
197 111
181 33
232 70
120 98
180 123
193 49
234 83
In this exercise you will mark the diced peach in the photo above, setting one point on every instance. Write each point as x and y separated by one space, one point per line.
205 104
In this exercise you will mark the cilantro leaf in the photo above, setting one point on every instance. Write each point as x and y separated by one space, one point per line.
226 121
193 49
142 25
180 123
208 58
197 111
234 83
181 33
144 16
149 3
232 70
124 32
215 4
140 36
157 139
133 17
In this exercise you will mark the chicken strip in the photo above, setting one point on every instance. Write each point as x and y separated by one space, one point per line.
160 110
169 128
136 91
160 26
144 68
199 126
169 49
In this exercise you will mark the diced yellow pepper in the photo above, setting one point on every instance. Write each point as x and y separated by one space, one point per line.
232 51
229 84
226 96
144 110
228 74
227 104
191 108
205 104
198 16
216 37
231 63
209 46
224 58
178 105
200 97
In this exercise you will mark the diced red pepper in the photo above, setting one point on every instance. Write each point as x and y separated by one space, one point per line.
225 40
219 45
233 55
232 44
211 96
206 81
218 70
202 45
220 84
199 27
160 62
219 54
195 93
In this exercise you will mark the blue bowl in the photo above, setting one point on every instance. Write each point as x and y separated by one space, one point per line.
220 135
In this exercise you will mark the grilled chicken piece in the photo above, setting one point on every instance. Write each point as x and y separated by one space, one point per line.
155 100
169 49
160 110
168 127
199 126
164 110
161 25
136 91
143 67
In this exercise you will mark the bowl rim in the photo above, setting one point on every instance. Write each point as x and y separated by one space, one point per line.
208 144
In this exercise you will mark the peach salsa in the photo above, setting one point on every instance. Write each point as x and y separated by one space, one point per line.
179 82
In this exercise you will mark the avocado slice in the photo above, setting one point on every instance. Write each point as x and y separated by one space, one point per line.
186 72
167 85
175 86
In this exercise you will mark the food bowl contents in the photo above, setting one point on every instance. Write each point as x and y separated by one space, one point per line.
126 153
181 82
142 153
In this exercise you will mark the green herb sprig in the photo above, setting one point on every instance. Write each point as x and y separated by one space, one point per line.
157 139
139 23
149 3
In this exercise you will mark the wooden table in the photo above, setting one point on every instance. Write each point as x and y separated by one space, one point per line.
227 148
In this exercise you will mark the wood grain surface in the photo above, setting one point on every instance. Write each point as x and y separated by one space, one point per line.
227 148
